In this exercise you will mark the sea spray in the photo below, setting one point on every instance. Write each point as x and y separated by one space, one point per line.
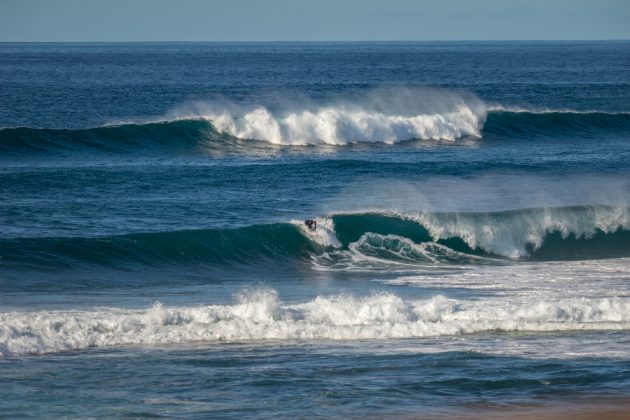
385 115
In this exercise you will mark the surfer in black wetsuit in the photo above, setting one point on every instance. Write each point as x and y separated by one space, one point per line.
311 224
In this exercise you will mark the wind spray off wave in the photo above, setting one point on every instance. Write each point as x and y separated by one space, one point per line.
383 115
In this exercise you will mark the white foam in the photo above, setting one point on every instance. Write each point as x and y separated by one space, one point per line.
339 125
509 234
374 252
544 281
386 115
262 315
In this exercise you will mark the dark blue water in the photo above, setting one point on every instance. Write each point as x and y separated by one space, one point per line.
472 245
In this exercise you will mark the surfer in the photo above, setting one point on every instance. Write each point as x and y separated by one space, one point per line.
311 224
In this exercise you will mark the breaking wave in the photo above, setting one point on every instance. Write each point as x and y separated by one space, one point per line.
557 233
261 315
336 124
340 125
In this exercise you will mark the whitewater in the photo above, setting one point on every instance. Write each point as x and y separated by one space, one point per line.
263 317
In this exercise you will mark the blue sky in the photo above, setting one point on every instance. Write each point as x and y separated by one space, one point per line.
314 20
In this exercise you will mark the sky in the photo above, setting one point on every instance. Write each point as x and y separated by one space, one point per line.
312 20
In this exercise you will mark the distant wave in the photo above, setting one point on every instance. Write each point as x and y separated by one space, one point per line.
261 315
343 241
340 125
328 126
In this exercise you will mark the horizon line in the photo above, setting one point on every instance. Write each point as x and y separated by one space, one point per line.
317 41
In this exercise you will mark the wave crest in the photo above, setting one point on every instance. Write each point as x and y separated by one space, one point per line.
340 125
520 233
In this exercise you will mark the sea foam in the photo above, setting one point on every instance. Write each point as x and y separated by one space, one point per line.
261 315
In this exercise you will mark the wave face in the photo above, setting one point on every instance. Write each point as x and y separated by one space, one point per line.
550 123
262 316
264 242
354 240
115 139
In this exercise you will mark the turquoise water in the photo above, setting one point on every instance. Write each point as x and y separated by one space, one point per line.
473 227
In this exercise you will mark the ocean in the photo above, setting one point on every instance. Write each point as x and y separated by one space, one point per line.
472 247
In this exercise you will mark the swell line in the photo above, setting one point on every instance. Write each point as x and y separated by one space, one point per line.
324 127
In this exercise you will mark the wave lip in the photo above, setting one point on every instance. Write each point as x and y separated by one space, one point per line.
262 316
